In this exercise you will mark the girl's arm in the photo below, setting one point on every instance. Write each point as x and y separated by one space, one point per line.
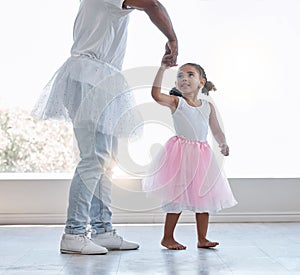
217 131
163 99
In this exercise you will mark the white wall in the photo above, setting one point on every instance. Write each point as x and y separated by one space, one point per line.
36 201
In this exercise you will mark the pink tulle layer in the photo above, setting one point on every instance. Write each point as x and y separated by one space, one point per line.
186 176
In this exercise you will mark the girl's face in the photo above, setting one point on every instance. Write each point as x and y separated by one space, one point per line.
189 80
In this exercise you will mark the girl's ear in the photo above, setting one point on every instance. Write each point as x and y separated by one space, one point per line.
202 82
176 84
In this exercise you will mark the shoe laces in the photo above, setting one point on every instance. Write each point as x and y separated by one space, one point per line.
115 235
83 237
91 231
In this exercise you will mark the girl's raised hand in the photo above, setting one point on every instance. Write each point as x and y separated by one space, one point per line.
164 65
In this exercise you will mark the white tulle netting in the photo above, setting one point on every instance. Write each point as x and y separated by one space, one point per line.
92 95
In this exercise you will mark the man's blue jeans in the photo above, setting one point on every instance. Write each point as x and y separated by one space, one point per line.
90 191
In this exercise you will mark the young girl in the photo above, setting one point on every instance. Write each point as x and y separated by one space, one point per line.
186 173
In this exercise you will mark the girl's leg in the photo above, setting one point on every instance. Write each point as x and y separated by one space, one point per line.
202 226
168 240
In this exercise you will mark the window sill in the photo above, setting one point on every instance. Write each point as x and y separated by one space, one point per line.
49 176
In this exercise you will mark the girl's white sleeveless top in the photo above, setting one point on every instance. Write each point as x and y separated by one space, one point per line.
192 122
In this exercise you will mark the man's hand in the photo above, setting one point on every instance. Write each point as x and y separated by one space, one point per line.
171 53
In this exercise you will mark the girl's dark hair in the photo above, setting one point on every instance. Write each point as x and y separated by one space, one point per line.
209 86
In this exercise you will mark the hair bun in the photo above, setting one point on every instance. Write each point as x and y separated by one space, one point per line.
210 86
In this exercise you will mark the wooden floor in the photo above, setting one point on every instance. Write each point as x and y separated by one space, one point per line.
245 248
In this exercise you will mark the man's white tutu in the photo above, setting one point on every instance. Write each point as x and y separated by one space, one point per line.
92 94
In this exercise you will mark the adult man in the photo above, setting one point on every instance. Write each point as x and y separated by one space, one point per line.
89 89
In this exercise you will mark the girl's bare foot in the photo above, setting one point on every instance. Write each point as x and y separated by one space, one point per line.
207 244
172 244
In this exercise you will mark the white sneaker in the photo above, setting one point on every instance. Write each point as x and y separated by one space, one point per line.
112 241
80 244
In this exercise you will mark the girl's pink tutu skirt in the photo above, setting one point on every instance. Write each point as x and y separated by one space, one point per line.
186 176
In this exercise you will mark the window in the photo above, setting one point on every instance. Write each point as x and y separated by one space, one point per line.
249 49
30 55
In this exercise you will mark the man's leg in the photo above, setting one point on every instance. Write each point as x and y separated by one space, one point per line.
83 185
100 214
